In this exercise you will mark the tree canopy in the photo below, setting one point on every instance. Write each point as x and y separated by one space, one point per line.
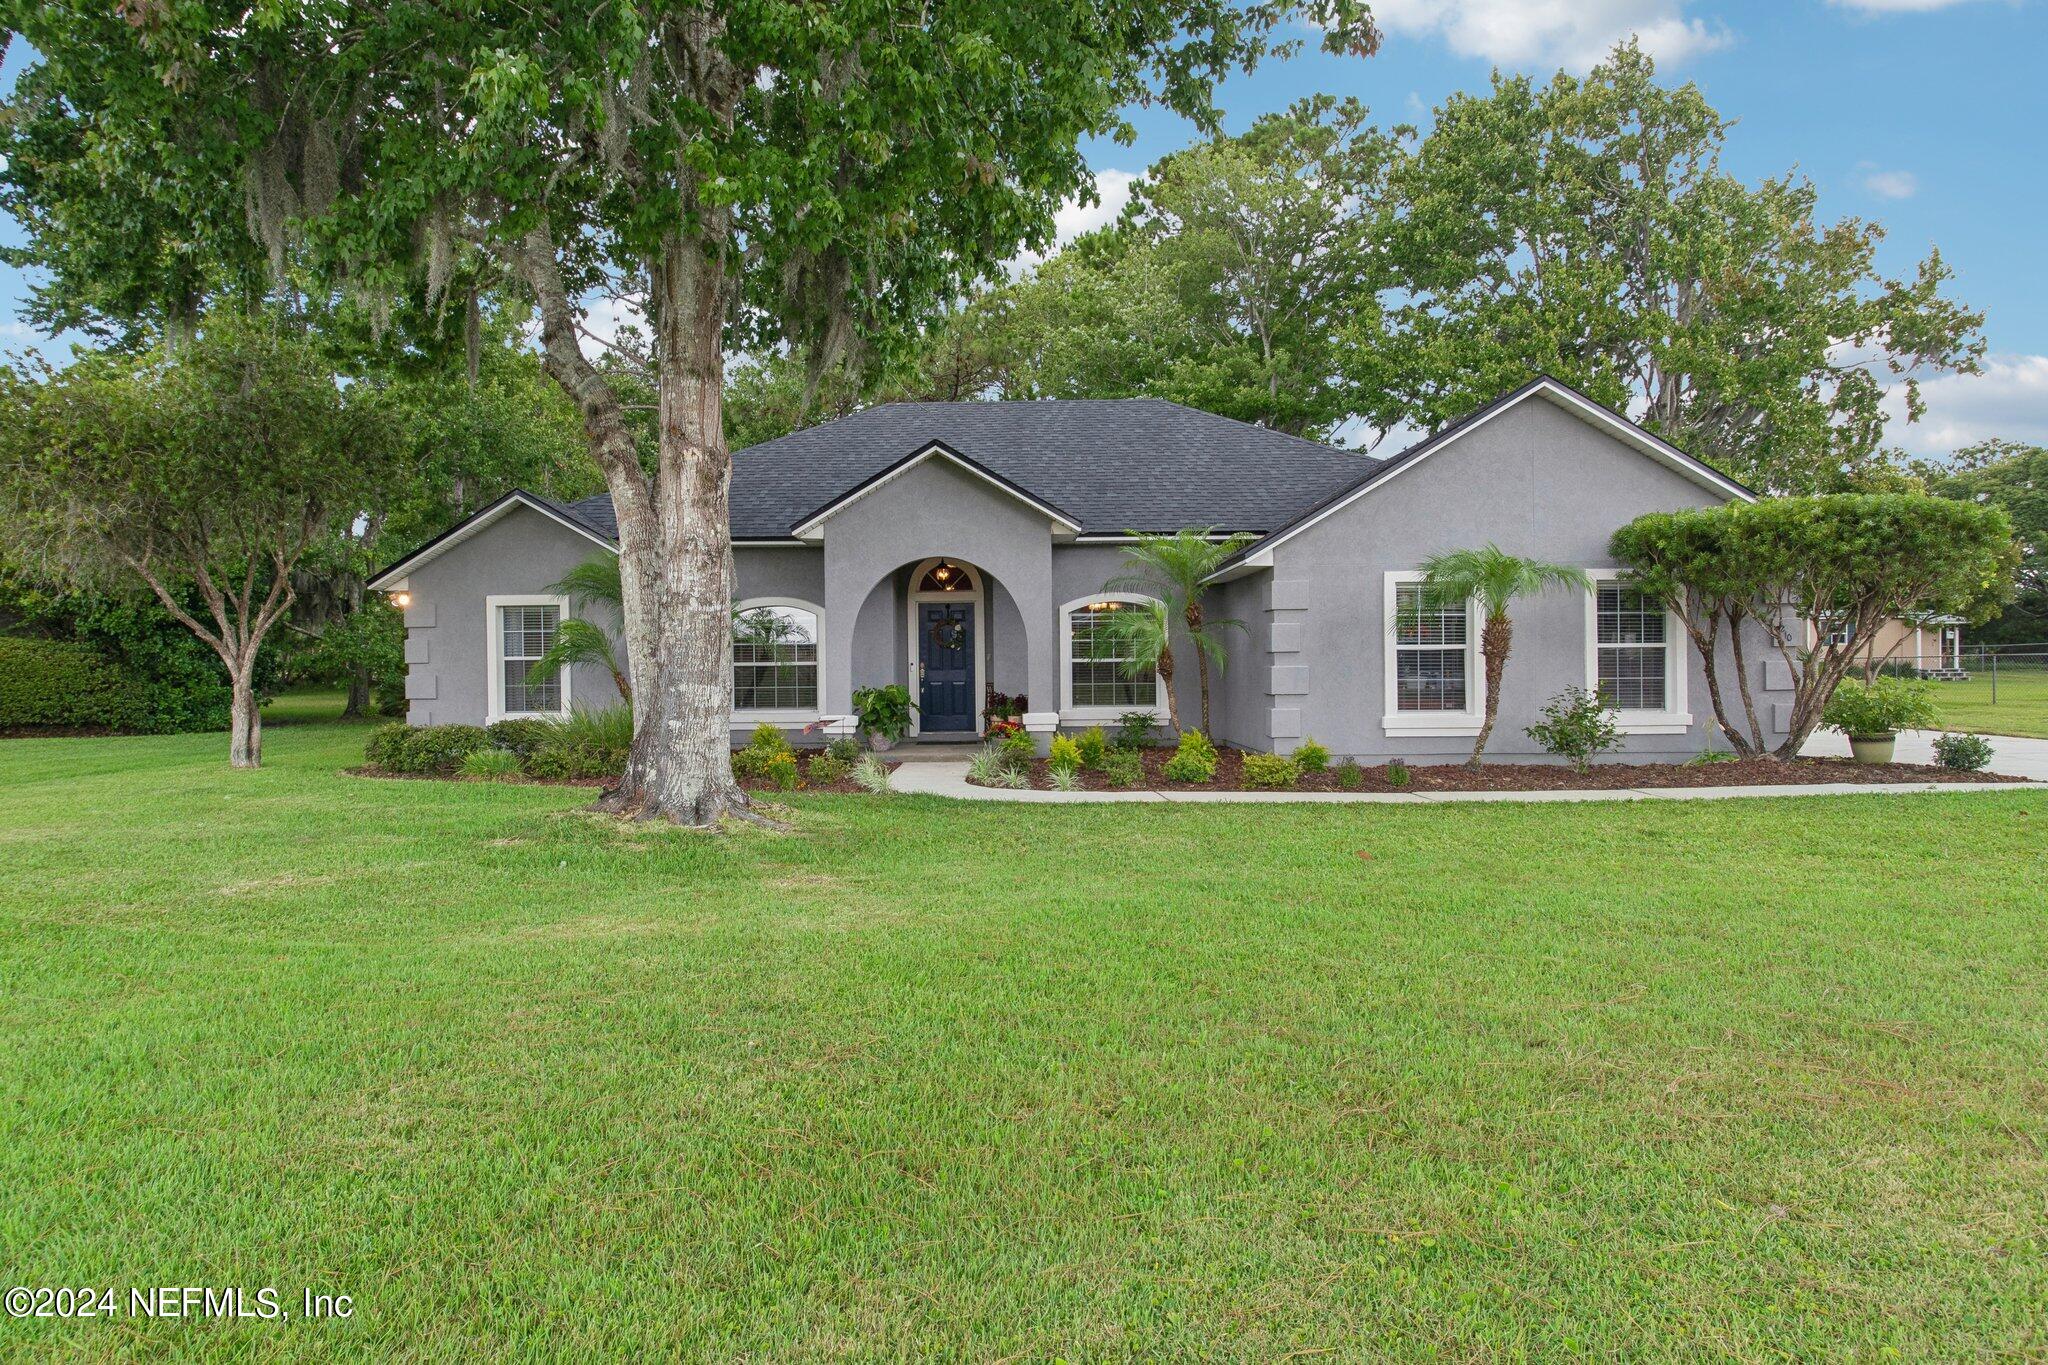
2013 477
213 469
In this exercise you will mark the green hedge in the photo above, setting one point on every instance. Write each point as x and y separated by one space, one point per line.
59 684
439 749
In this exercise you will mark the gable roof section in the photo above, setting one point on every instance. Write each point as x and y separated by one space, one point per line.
1259 554
810 527
490 516
1106 465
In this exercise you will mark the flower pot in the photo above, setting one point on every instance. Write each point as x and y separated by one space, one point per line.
882 744
1872 748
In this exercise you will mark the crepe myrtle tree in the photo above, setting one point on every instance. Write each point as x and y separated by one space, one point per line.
211 471
745 175
1796 571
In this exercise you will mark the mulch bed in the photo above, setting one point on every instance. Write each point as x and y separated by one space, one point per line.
845 785
1456 777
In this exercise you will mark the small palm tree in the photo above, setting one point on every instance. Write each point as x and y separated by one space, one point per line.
1177 567
1143 634
578 641
1496 578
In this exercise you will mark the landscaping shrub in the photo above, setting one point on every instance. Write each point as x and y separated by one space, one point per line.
1133 730
1194 760
988 764
1578 725
494 765
61 684
439 750
1398 774
1065 755
1311 756
1018 750
584 744
749 764
1092 745
1270 772
1349 775
1964 753
768 739
829 767
870 774
518 737
1064 779
1882 707
781 770
1123 768
846 749
385 745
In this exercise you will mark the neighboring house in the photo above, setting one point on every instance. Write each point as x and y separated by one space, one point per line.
964 548
1931 645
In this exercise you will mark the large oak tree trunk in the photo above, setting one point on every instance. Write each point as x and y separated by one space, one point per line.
680 767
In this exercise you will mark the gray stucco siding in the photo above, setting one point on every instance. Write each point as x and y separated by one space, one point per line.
448 627
1538 482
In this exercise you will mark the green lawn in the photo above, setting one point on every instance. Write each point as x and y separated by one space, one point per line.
1753 1079
2021 708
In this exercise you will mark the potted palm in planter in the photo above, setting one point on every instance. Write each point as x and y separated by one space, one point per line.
884 714
1872 714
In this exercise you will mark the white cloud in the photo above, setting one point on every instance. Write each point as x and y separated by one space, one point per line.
1113 188
1113 191
1544 34
2010 399
1891 184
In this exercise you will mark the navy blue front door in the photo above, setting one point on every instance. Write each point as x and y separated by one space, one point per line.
945 656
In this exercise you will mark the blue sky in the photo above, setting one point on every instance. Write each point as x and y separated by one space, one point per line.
1925 115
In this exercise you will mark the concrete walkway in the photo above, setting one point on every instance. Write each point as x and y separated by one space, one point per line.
2022 758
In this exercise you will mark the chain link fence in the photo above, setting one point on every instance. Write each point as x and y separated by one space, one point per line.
1997 688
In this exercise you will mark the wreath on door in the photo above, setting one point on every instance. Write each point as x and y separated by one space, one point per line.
947 634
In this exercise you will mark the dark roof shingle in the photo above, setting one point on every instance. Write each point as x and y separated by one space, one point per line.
1113 464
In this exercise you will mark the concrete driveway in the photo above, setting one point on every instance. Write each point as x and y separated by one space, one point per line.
2013 757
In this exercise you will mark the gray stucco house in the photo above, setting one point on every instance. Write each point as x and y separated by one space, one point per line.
963 548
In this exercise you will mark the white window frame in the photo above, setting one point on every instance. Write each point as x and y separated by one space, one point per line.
1429 724
1676 717
787 714
495 630
1090 714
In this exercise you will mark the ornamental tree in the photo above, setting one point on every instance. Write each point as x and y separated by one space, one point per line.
1796 570
213 473
745 175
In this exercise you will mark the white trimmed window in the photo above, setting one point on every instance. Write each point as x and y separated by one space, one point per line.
775 652
1635 656
1094 683
522 630
1433 680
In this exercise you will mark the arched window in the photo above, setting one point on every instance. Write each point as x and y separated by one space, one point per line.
775 644
1095 676
946 576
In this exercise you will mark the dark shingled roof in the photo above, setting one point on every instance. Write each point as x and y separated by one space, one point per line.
1112 464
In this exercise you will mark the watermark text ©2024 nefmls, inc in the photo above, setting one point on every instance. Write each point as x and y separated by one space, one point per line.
263 1304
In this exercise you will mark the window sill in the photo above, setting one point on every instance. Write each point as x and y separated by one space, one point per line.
1093 714
1653 722
1432 724
493 717
791 717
